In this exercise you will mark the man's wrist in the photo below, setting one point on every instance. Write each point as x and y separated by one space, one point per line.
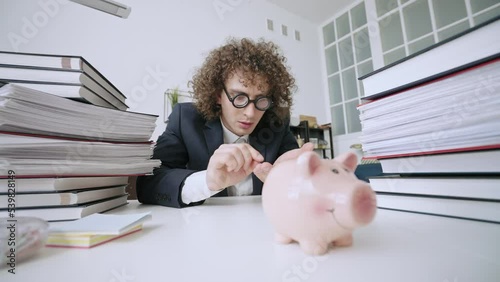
196 189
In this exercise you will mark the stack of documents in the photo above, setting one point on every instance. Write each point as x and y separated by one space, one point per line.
94 230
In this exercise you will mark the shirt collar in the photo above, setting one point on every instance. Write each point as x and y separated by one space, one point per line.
230 137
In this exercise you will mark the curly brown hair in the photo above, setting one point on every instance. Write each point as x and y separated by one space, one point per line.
262 59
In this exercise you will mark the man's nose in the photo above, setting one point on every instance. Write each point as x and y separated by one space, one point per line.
250 110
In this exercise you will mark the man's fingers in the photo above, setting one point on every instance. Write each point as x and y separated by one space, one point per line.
262 170
236 156
256 155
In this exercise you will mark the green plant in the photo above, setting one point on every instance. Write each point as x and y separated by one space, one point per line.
173 96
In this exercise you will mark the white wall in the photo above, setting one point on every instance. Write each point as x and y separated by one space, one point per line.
161 43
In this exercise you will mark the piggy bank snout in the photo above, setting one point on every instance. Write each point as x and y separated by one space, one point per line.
356 207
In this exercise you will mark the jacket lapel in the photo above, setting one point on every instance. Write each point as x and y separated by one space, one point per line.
214 138
259 146
213 135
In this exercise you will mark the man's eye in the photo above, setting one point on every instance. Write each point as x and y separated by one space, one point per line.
335 171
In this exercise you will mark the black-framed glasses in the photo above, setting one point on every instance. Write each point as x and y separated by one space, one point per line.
242 100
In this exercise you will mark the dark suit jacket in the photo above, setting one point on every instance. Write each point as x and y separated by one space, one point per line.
187 145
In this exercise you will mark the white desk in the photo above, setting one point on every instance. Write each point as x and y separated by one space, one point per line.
229 239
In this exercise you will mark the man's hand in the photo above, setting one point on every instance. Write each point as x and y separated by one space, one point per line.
262 170
230 164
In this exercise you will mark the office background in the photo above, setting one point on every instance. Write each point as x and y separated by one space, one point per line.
161 43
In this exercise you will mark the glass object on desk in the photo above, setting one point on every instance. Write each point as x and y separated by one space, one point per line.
29 235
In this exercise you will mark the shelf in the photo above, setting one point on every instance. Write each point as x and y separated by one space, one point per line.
307 133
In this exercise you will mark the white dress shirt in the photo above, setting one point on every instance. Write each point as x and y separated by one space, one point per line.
195 186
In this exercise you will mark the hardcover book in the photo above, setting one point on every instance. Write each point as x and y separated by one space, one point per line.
488 211
453 186
73 91
474 161
14 75
34 185
479 42
69 212
59 63
48 199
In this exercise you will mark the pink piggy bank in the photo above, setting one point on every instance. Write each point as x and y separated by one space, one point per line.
317 202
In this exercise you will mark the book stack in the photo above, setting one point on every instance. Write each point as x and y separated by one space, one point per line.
432 120
64 157
72 77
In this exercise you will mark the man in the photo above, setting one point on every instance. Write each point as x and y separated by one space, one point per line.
237 125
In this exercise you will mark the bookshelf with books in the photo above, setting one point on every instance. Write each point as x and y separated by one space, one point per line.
305 133
436 136
68 159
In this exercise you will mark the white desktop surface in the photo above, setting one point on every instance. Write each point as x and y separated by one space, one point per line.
229 239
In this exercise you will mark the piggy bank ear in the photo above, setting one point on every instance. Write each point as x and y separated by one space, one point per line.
349 159
307 163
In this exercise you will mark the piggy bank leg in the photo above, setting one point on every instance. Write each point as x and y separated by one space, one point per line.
344 241
282 239
314 248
